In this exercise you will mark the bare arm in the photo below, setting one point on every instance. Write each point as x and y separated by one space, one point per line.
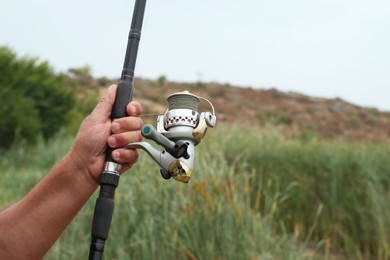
31 226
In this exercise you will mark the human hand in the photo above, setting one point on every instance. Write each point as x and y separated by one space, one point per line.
97 131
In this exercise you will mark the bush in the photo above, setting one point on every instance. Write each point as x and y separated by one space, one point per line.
35 100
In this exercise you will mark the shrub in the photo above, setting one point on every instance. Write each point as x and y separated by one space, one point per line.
34 99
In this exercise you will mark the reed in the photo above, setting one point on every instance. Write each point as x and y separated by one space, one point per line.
334 192
254 195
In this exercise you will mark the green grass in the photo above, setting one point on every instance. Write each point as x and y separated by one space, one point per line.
253 195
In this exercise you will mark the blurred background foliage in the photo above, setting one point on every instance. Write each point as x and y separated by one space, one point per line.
34 99
37 101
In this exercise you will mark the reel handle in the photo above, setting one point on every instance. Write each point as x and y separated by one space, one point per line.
148 131
176 149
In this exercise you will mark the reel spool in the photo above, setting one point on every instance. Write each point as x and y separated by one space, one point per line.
182 110
179 130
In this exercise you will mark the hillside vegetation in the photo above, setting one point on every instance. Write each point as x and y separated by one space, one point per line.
296 114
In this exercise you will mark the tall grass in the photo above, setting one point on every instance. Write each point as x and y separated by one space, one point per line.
333 192
253 195
22 166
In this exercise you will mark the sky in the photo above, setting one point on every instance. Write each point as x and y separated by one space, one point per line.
321 48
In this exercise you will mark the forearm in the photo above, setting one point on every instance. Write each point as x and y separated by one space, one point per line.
30 227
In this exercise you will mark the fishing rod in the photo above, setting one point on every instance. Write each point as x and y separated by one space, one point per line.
109 178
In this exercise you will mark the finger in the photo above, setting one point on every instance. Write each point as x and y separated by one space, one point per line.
134 109
120 140
126 166
125 124
125 156
104 107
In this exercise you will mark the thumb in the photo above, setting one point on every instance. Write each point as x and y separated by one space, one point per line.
104 107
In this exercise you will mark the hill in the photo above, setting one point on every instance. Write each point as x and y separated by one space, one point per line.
295 114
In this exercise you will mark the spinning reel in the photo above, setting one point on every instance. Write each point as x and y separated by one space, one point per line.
178 131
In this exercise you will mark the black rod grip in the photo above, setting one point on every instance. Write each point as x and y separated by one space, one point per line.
102 216
124 94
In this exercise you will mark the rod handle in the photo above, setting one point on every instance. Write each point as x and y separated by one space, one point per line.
102 216
124 94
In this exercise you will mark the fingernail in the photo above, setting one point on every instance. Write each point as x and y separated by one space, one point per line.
115 127
111 141
133 110
115 155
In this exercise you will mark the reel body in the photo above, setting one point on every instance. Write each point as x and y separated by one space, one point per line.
178 131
